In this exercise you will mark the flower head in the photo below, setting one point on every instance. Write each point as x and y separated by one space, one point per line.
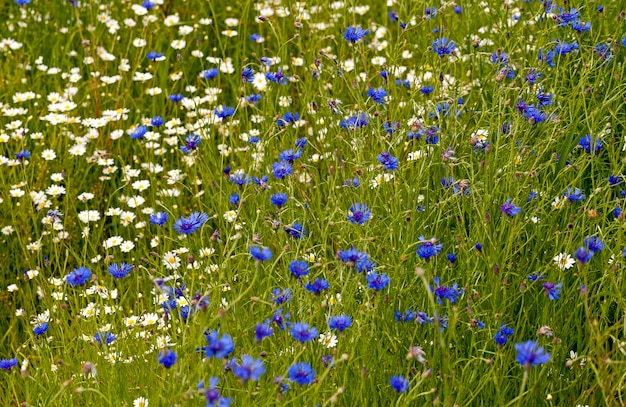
359 213
301 373
509 208
119 270
191 224
354 34
530 354
78 276
167 358
399 384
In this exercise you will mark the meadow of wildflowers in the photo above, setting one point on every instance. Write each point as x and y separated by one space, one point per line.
312 203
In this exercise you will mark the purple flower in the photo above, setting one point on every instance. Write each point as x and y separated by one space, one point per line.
510 209
302 332
582 255
317 286
428 248
167 358
443 46
301 373
502 336
212 394
260 253
8 364
377 281
298 268
41 329
216 346
530 354
340 322
390 162
248 369
158 218
78 276
552 290
191 224
399 384
119 270
354 34
359 213
262 331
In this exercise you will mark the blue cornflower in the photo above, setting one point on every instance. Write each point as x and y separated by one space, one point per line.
281 296
209 73
287 118
120 270
552 290
40 329
148 4
191 224
443 46
533 75
280 319
302 332
614 180
427 90
262 331
191 143
458 9
449 293
260 253
423 318
500 58
399 384
582 255
176 97
78 276
234 199
282 169
530 354
279 199
22 2
575 195
155 56
317 286
564 18
296 230
502 336
299 268
563 48
212 394
587 143
359 213
428 248
544 99
580 26
377 281
224 111
167 358
301 373
430 12
451 257
377 95
354 34
510 209
157 121
407 316
353 122
256 38
158 218
290 155
139 132
340 322
594 244
390 162
216 346
239 178
8 364
248 369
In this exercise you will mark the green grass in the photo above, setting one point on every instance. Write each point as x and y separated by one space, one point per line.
462 151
